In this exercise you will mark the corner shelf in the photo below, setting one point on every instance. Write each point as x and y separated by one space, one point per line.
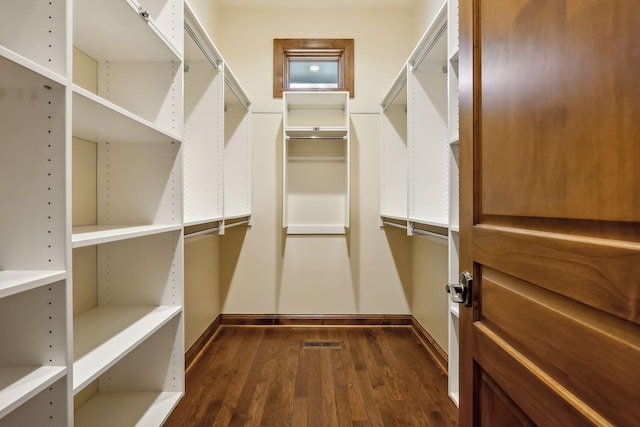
143 409
316 161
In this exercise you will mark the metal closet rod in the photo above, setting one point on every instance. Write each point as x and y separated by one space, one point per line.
317 137
435 40
400 88
393 224
429 233
237 95
211 230
204 50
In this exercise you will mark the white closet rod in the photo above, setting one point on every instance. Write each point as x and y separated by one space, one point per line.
204 50
429 233
317 137
212 230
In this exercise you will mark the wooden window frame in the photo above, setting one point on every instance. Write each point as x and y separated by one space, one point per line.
285 50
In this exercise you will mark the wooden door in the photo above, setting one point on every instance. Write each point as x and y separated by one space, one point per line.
550 212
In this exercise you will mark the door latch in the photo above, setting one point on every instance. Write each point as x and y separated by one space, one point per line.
461 292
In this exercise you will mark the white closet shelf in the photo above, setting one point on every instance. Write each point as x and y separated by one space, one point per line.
132 40
454 139
18 384
18 71
97 120
110 409
16 281
240 216
454 228
393 217
316 229
104 335
88 235
315 100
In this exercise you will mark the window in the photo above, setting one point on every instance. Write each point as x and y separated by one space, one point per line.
312 64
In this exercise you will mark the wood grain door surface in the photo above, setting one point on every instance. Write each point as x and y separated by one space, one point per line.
550 212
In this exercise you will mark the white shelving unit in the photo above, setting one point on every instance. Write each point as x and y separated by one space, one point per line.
91 178
414 159
127 127
217 135
316 160
454 190
34 283
419 155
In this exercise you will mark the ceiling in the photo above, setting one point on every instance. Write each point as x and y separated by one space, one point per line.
316 3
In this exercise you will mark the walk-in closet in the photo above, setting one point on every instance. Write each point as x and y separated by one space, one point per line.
155 190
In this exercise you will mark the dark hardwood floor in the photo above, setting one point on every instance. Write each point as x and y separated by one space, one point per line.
267 376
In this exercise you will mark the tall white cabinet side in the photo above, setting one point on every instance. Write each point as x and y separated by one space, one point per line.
454 189
35 377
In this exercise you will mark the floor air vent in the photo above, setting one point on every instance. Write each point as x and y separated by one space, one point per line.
322 344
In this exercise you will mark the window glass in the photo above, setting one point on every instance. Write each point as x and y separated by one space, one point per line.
310 74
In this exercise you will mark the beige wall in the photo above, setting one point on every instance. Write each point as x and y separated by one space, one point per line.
371 270
367 271
429 301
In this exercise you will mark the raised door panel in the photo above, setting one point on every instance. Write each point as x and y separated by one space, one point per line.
550 213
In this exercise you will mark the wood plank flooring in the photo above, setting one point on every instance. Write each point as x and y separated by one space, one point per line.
266 376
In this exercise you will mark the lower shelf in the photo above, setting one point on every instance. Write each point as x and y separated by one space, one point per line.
127 409
104 335
20 383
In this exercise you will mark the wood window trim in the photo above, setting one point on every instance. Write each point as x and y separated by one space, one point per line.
286 49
